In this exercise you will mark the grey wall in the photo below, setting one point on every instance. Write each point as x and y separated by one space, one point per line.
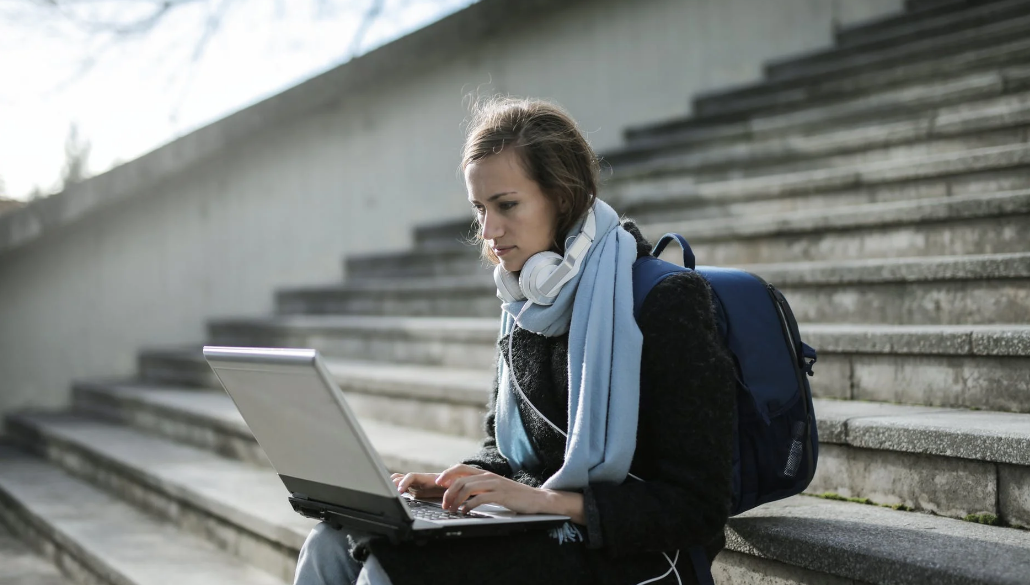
283 206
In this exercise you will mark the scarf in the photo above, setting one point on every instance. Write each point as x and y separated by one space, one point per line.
596 309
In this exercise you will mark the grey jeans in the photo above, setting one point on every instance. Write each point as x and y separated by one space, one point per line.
324 560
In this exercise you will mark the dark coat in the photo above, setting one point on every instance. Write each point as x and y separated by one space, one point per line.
683 453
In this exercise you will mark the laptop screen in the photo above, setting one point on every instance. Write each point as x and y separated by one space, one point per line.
299 417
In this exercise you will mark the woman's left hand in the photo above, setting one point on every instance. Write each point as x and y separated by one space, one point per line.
469 487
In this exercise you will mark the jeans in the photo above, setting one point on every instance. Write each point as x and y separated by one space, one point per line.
324 560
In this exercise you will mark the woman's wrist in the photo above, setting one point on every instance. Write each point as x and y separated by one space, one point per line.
564 503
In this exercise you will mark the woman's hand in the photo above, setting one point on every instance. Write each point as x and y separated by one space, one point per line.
421 485
469 487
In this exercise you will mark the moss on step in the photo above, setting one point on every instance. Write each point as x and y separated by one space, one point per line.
866 501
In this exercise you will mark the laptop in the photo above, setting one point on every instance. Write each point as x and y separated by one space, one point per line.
301 420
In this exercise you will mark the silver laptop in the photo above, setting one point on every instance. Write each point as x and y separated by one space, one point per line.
302 421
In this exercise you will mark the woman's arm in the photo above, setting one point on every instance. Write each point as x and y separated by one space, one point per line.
684 436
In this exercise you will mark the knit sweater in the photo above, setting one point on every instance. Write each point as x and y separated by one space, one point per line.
683 454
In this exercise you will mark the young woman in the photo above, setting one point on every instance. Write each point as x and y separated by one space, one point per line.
622 424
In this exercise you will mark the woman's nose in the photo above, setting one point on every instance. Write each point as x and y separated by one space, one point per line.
492 227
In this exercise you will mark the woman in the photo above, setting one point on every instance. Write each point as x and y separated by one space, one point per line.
645 475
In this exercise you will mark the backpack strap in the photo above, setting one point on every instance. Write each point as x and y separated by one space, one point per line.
650 270
688 254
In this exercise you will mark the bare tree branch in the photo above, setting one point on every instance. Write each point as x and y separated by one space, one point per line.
373 12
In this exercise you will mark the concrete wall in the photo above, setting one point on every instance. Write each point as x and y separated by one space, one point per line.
278 201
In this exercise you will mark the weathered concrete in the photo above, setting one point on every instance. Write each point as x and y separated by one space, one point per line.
989 383
945 486
210 421
19 566
948 44
920 291
238 507
902 37
733 568
1014 496
100 540
978 435
878 545
465 343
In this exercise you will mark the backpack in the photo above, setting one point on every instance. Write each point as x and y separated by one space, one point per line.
775 440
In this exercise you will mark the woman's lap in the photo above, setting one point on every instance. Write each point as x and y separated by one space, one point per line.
325 559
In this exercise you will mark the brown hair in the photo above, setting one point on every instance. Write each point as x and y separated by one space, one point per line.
551 150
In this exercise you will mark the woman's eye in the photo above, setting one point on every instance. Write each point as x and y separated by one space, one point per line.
508 205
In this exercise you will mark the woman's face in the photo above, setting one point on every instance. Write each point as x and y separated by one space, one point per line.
518 220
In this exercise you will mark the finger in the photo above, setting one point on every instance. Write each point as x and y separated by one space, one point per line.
453 472
476 501
405 482
465 487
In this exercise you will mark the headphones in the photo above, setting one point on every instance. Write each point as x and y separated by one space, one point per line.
544 274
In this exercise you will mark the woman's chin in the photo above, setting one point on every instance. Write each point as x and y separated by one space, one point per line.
510 265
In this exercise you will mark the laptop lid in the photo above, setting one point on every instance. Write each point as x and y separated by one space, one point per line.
300 419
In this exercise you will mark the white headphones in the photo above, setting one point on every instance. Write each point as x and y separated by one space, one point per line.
544 274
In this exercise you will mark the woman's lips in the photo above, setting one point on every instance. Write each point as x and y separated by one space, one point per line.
503 251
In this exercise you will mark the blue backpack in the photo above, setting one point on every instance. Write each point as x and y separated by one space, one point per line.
775 441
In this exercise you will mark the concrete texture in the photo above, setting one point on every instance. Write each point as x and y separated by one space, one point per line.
951 340
458 342
978 435
19 566
102 540
989 383
732 568
945 486
878 545
210 420
998 437
1014 494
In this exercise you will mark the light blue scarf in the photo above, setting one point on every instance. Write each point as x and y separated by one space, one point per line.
596 308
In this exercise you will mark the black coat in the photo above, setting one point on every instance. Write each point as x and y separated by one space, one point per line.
683 453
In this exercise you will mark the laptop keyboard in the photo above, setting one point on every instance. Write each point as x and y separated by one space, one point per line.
427 511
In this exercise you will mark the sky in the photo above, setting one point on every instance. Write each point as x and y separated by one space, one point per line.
128 95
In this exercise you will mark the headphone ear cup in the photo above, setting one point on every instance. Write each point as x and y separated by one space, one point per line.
536 271
508 289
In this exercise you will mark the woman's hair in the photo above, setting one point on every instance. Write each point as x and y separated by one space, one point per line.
551 150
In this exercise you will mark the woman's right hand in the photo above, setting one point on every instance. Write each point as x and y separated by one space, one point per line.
425 486
421 485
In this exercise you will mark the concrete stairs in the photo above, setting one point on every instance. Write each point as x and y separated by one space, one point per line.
882 185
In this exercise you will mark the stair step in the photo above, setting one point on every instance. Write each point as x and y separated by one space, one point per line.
989 34
175 366
925 32
892 117
977 224
921 290
209 420
871 544
100 539
241 507
441 341
913 448
967 366
963 176
766 97
20 566
894 24
431 398
948 461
